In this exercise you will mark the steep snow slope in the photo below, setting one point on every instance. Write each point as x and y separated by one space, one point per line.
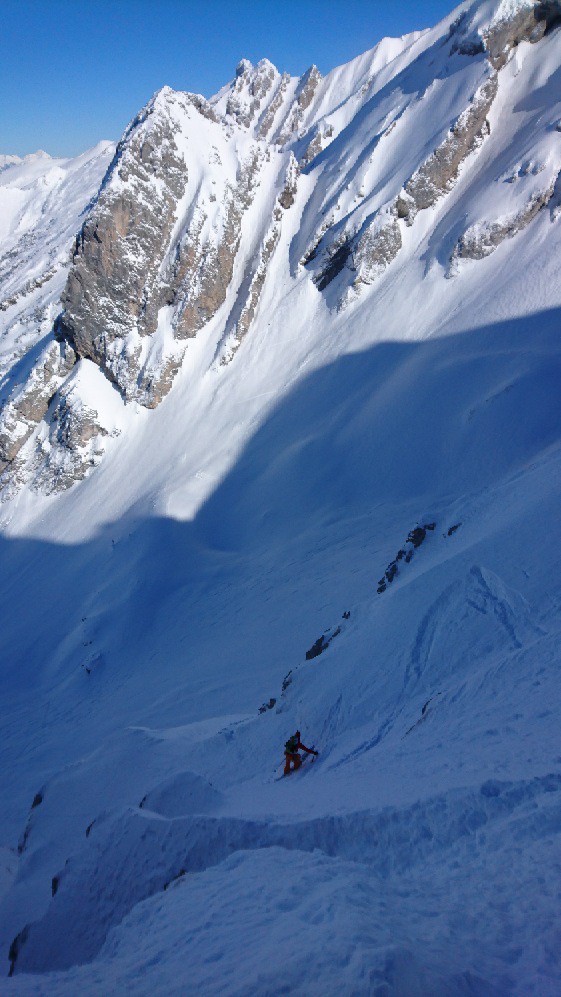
429 818
150 610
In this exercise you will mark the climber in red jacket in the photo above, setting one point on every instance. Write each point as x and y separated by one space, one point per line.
291 749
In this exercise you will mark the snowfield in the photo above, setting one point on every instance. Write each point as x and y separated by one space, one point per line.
156 616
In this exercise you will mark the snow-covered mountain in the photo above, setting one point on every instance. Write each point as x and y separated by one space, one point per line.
280 447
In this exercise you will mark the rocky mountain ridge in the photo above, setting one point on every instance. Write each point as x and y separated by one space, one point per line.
188 220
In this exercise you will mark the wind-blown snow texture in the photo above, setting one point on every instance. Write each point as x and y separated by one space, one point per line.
294 388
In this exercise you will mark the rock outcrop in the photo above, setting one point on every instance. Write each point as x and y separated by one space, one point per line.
113 292
304 95
29 401
530 23
527 21
201 273
369 252
73 444
416 537
250 88
375 249
479 241
321 137
267 118
439 172
284 201
71 433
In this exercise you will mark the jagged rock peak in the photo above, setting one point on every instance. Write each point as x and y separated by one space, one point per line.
271 105
246 68
243 67
266 65
167 101
303 97
249 93
312 74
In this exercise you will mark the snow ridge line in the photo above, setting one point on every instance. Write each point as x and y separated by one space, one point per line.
141 852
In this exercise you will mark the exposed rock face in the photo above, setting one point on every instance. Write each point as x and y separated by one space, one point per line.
370 252
250 88
337 258
416 538
34 262
43 202
73 444
203 271
439 172
69 442
132 264
30 401
113 294
317 143
529 22
288 193
267 104
255 288
267 118
322 643
284 201
480 241
203 107
125 267
375 249
304 95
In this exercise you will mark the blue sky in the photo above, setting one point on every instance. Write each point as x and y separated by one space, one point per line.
75 71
